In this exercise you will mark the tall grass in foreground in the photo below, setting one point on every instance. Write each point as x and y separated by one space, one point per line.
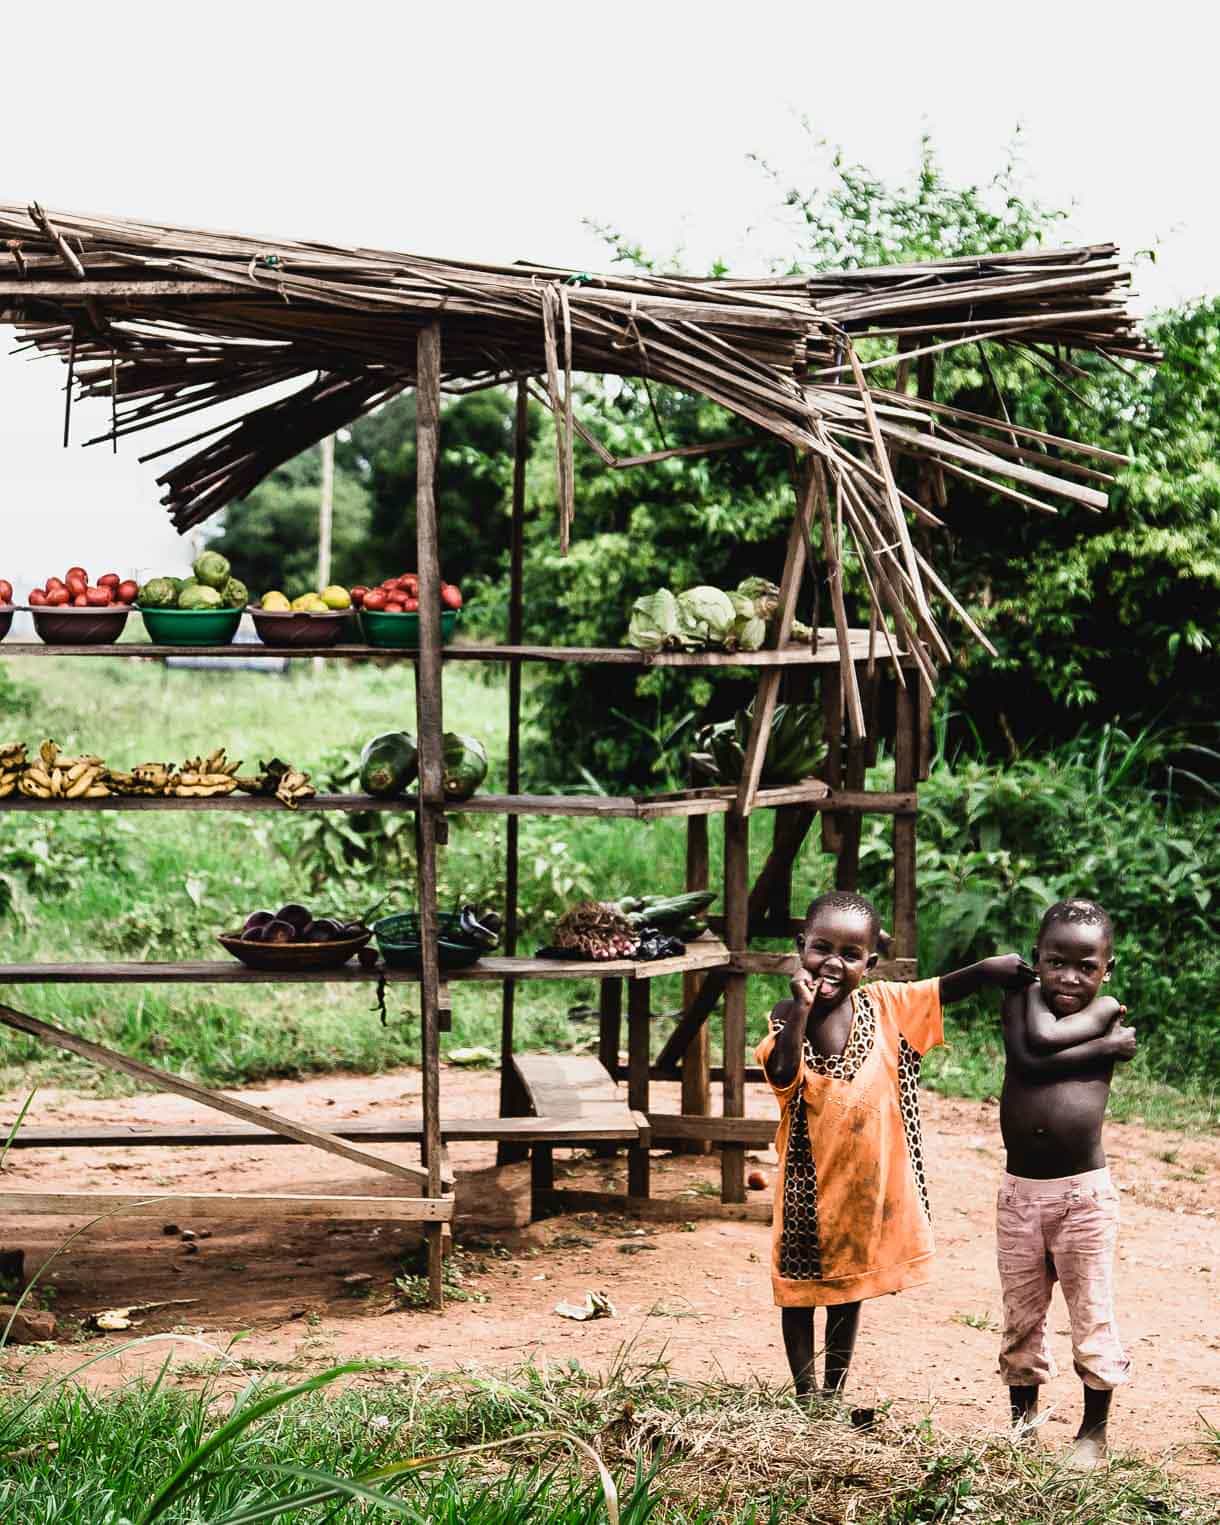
680 1451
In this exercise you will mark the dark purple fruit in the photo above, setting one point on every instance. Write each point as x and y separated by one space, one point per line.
258 919
295 915
254 934
279 931
323 931
354 929
368 958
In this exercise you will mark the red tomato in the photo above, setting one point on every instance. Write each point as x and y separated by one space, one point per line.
375 599
451 597
127 591
394 606
58 597
79 601
410 605
408 582
6 591
37 598
358 593
76 572
76 584
109 580
54 582
99 597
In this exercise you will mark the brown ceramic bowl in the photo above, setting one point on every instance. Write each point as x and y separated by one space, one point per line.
65 626
6 619
284 627
284 958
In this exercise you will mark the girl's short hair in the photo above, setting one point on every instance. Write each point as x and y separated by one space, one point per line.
1077 912
846 900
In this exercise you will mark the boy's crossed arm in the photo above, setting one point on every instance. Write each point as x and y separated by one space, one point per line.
1056 1052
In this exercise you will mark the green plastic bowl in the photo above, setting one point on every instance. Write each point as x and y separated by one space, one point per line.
398 941
191 627
401 631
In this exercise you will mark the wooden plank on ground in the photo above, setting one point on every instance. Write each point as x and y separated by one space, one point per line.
162 1080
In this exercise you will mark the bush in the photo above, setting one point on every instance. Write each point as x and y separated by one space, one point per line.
1098 817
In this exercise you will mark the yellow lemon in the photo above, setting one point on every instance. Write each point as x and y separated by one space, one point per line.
275 600
336 597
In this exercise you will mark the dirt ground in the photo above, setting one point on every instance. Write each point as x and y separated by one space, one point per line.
698 1291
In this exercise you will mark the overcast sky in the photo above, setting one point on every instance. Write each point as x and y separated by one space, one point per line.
491 131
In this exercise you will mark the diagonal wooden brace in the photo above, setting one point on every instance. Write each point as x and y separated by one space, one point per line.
162 1080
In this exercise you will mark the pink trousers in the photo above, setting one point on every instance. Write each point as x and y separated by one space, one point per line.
1064 1230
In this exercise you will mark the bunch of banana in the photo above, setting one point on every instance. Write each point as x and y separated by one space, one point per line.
281 781
54 776
12 763
206 777
151 779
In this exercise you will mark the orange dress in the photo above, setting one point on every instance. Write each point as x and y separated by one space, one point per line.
851 1215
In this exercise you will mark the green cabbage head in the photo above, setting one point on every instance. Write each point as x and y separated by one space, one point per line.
654 622
706 616
212 570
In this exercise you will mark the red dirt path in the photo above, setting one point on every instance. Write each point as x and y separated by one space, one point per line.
702 1295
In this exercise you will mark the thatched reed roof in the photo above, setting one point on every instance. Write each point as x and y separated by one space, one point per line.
170 322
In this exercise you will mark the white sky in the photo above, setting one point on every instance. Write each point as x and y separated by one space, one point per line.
492 130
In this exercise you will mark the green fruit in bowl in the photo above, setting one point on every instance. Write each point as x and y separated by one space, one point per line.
212 569
235 594
199 597
158 593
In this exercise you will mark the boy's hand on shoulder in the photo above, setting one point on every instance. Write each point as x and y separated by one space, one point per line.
1010 971
1122 1040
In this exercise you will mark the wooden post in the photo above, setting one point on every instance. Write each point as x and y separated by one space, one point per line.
510 1102
832 731
736 928
696 1079
639 1038
431 826
906 754
610 1024
326 508
847 868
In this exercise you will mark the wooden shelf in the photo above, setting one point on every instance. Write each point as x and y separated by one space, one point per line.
827 651
642 807
706 953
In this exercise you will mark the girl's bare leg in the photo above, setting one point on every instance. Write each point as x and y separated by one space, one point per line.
797 1324
842 1322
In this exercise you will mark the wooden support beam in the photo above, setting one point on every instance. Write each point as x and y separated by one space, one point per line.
639 1037
162 1080
696 1087
736 913
906 754
245 1206
781 630
507 1153
431 826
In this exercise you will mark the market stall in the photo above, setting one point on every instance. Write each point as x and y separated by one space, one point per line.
166 323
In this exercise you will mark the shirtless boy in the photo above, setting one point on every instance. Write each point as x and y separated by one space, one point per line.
1057 1210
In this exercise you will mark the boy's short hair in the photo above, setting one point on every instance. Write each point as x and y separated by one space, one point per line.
1077 912
846 900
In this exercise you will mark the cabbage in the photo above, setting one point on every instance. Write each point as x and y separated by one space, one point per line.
749 635
764 595
654 622
705 616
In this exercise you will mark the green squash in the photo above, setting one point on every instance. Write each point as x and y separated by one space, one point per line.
389 764
463 765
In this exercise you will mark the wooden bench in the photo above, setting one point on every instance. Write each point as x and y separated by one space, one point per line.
576 1096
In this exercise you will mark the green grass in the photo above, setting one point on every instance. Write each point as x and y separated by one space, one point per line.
680 1453
160 886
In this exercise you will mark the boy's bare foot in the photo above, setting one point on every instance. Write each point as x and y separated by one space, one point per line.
1088 1452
